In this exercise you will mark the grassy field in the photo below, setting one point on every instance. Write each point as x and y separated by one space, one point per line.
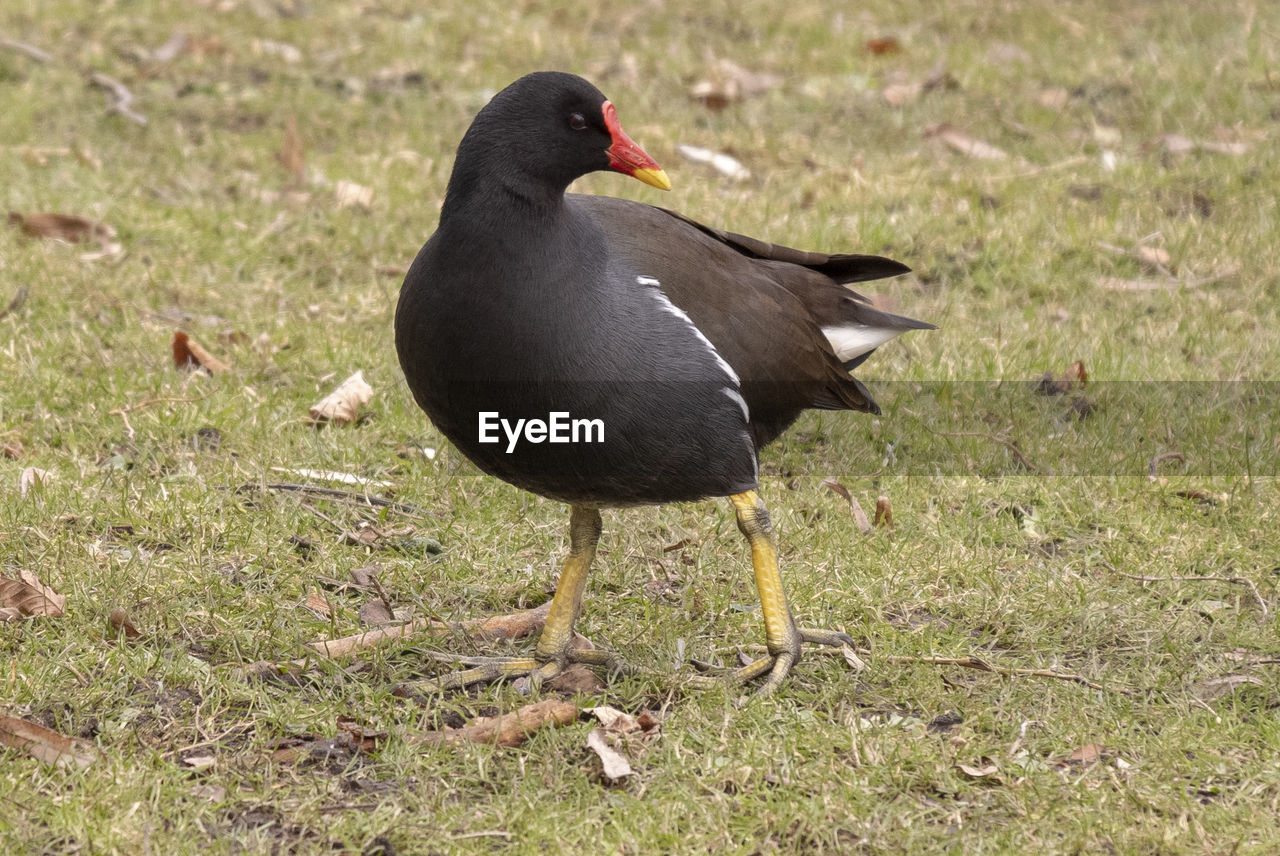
1130 224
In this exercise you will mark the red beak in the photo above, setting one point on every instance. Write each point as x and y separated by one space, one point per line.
628 158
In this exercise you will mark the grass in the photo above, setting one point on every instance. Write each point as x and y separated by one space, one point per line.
1023 568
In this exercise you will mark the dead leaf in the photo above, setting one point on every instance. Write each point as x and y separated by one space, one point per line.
510 729
728 82
1175 144
45 745
859 516
199 761
851 657
375 612
318 604
11 449
348 194
366 739
728 166
280 50
1004 53
1211 689
884 513
576 679
897 94
343 404
982 772
1090 753
883 45
119 622
63 227
1233 148
1155 256
31 477
1054 98
614 765
292 155
965 144
613 719
365 577
1075 376
190 354
29 596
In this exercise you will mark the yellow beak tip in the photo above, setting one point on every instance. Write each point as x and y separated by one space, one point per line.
654 178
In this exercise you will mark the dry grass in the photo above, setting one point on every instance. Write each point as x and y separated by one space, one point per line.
988 558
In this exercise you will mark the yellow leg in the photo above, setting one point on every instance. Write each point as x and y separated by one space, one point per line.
557 634
782 637
555 645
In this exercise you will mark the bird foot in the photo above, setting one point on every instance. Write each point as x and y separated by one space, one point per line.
536 669
774 666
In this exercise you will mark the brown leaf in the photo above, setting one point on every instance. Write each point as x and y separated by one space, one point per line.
965 144
190 354
29 596
365 577
365 739
318 604
982 772
45 745
884 513
376 611
897 94
576 679
1154 256
1090 753
62 227
343 404
348 194
859 516
510 729
728 82
119 622
11 449
1054 98
614 765
851 657
1075 376
292 155
613 720
883 45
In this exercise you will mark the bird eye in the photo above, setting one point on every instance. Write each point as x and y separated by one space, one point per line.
577 122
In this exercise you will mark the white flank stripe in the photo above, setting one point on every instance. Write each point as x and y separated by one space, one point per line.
680 313
740 401
856 340
647 280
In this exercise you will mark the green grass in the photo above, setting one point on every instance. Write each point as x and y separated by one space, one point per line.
1023 568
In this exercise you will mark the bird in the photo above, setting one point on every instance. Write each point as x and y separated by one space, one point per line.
607 353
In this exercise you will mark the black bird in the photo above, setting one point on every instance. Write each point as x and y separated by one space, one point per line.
603 352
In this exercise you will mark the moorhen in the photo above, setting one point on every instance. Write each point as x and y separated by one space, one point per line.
604 353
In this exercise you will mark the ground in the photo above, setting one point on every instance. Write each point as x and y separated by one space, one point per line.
1071 182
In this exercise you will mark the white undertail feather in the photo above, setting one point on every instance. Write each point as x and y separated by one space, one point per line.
857 339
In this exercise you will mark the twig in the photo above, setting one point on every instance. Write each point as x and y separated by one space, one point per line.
1154 467
487 833
1008 444
123 103
970 663
514 626
24 48
18 299
341 495
1240 581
